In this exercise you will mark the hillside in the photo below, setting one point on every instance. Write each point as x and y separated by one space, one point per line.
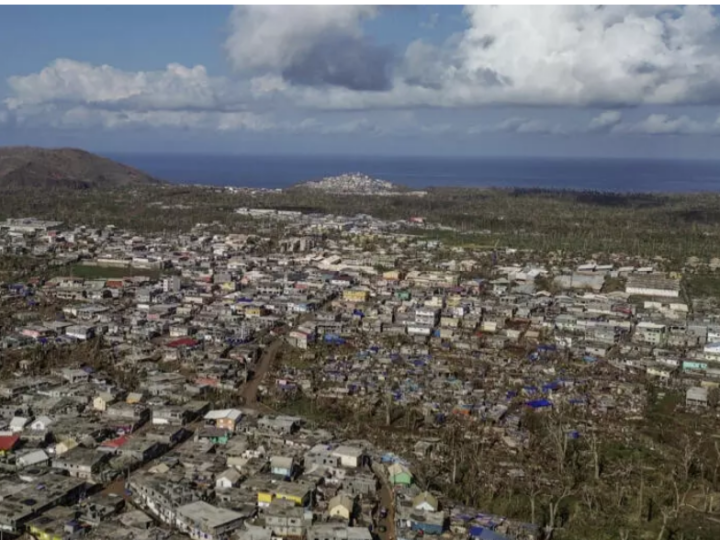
29 167
352 184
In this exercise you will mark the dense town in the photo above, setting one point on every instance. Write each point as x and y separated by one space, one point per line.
156 387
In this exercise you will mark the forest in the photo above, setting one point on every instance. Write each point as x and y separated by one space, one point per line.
673 226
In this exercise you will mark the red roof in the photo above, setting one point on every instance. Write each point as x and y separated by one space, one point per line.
8 442
207 381
116 443
182 342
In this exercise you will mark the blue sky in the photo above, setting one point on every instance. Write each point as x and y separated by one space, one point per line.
504 81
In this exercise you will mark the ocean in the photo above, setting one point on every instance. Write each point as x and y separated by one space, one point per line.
618 175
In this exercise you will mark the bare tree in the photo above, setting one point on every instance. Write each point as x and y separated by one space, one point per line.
553 507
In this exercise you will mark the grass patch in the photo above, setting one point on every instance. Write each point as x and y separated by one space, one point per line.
703 285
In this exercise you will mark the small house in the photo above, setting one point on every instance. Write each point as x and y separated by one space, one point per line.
228 479
341 506
426 502
8 443
399 475
696 396
282 466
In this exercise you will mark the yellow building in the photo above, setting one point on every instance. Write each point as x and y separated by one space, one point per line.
354 295
341 506
229 286
254 311
296 492
454 300
391 275
38 533
265 498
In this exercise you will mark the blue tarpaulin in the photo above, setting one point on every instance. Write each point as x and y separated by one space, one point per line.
483 533
539 403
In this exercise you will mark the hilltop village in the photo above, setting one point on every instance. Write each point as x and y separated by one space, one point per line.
341 378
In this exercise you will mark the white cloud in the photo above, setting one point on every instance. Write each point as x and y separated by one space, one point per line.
308 45
663 124
70 94
267 84
556 56
605 120
520 125
81 117
175 88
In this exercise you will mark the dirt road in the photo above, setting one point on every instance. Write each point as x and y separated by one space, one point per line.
387 500
249 390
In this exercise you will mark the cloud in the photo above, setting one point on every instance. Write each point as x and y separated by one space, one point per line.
520 125
605 120
82 117
431 21
175 88
70 94
267 84
663 124
552 56
309 46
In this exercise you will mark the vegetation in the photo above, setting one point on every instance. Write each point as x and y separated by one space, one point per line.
656 477
703 285
27 168
672 226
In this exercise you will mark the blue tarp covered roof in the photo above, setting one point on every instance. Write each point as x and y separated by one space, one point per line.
485 534
539 403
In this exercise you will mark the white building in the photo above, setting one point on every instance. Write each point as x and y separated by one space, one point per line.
696 396
712 351
350 456
171 284
653 285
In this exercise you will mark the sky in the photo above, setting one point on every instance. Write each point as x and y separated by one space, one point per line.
556 81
